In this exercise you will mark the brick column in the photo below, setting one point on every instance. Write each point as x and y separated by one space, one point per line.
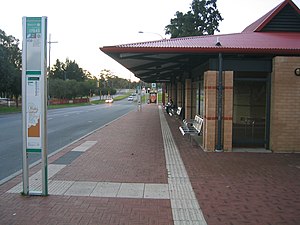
194 91
285 105
173 96
168 86
188 96
227 110
163 98
179 94
210 113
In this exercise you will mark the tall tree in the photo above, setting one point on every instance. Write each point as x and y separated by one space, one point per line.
10 66
69 70
202 19
73 71
58 70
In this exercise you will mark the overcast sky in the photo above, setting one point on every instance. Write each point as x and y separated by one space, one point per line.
81 27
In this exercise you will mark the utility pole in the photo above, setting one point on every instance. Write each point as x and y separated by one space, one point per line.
49 43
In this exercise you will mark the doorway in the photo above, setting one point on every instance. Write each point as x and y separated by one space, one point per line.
250 112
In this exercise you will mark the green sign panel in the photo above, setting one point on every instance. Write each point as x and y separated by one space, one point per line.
33 27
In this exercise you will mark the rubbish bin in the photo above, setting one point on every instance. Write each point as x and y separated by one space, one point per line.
153 97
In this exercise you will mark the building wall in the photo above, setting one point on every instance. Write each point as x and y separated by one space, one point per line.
285 105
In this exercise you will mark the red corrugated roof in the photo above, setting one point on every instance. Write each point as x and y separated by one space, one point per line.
231 43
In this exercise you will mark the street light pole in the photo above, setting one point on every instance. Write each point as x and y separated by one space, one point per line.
142 32
49 42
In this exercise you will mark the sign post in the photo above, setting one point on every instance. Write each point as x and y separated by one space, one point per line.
34 97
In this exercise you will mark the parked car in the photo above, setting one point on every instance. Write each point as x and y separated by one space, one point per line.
109 100
130 98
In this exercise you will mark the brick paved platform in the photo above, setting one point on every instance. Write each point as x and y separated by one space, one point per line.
139 169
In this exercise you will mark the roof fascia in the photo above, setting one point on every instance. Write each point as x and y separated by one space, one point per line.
211 50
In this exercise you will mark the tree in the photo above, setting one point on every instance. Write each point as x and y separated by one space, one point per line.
10 66
58 70
202 19
107 79
69 70
69 89
73 71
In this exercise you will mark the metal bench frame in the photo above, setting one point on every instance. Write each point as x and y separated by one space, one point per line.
177 113
192 127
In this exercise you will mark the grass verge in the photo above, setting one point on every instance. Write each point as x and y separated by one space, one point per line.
13 109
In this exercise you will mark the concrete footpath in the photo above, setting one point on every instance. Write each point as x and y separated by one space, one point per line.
139 169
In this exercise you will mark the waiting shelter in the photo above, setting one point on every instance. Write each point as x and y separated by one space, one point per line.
246 86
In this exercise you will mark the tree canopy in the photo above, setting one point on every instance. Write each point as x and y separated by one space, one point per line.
202 19
10 66
69 70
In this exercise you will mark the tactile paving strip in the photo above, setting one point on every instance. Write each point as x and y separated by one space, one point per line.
185 207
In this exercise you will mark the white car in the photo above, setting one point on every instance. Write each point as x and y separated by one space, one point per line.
109 100
130 98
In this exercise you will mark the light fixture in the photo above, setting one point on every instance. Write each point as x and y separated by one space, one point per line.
218 43
297 71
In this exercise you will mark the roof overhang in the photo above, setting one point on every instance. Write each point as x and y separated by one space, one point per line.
165 59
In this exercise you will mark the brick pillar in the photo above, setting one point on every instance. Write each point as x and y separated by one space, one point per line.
179 94
170 91
194 97
163 98
173 96
210 113
227 110
188 96
285 105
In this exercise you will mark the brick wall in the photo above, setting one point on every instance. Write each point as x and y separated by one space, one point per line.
285 105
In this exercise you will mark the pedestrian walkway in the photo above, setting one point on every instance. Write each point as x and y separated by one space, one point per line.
139 169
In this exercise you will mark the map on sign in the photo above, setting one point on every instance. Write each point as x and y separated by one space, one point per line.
33 112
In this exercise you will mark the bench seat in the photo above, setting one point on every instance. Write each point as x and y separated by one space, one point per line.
191 127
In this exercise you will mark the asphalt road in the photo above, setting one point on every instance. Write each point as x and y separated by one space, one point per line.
64 126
